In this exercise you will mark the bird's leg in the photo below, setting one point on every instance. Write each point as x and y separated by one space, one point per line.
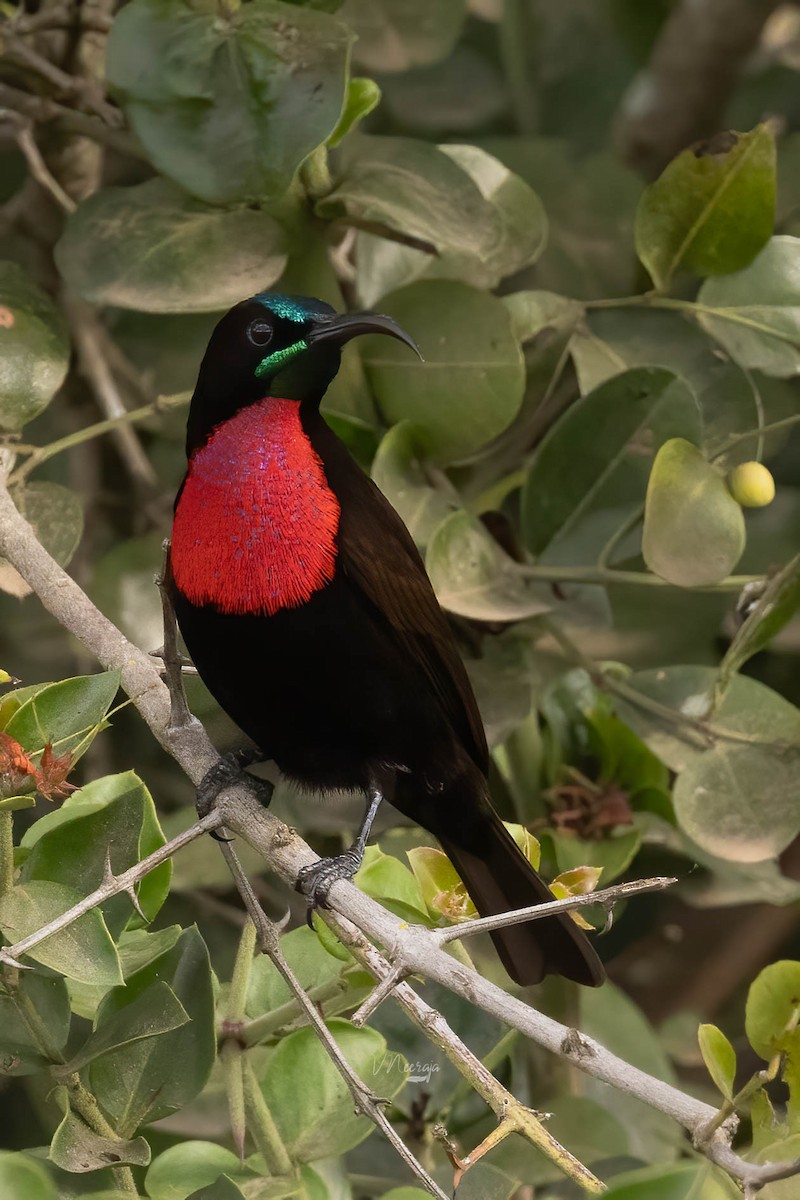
230 769
317 879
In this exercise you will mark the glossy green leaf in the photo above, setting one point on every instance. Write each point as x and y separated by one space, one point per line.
777 604
228 102
682 1181
136 948
155 249
470 385
543 315
363 95
505 230
712 209
154 1012
20 1053
517 214
719 1057
390 882
618 1024
400 473
154 1076
413 189
108 820
474 577
190 1165
56 515
596 458
64 714
222 1188
694 532
746 708
739 802
77 1148
83 951
318 1120
34 348
612 854
308 959
394 35
755 314
23 1177
773 1008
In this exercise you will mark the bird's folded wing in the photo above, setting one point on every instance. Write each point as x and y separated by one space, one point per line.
378 556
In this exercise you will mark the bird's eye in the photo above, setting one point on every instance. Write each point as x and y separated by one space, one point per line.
259 333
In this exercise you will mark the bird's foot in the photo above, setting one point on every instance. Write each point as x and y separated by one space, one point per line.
229 769
317 879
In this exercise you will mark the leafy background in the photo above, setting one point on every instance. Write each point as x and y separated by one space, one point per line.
601 350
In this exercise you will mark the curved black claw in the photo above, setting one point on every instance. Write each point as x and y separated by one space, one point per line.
228 770
317 879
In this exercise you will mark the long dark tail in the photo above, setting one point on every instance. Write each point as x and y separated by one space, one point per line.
498 877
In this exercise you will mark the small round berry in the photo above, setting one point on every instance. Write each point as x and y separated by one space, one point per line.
752 485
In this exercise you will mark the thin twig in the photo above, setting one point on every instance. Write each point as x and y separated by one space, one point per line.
85 329
23 136
607 898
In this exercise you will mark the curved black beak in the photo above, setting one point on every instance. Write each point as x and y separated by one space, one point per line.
341 327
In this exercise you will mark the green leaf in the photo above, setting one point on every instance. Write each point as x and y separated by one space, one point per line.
394 35
739 802
56 516
363 95
386 879
694 532
65 715
746 707
23 1177
154 1012
470 386
543 315
155 249
112 819
400 474
318 1120
77 1148
773 1008
152 1077
711 210
719 1057
776 606
83 951
136 948
519 217
223 1188
618 1024
755 314
510 235
613 854
683 1181
308 959
596 458
190 1165
34 348
20 1053
413 189
228 102
474 577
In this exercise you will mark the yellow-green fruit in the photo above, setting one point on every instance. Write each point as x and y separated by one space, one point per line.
752 485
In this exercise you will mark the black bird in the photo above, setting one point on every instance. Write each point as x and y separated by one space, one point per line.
307 611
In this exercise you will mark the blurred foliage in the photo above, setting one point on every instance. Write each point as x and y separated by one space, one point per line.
562 458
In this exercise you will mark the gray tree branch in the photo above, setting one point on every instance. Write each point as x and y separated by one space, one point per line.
682 93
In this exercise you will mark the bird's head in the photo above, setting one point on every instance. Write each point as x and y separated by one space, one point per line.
274 345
